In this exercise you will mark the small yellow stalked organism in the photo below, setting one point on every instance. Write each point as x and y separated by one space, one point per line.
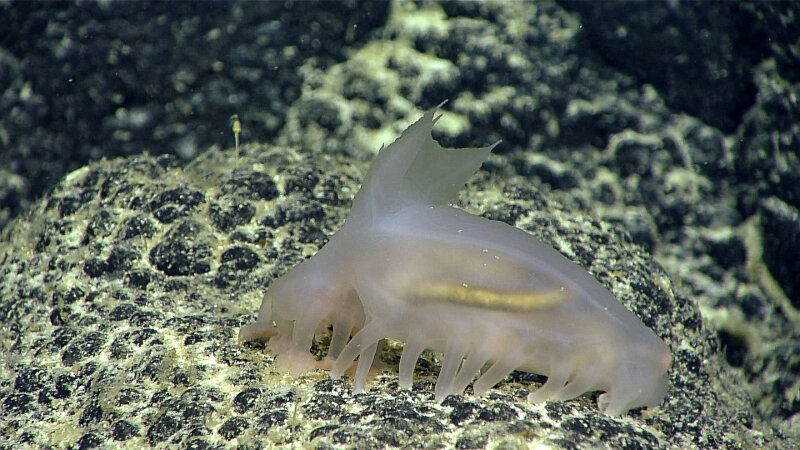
236 127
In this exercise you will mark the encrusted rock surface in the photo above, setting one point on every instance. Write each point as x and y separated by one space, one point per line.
124 288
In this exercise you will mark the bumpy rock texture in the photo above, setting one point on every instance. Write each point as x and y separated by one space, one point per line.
125 287
121 291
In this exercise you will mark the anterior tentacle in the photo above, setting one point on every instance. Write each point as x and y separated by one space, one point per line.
469 368
496 373
304 328
604 402
577 386
452 361
615 402
283 341
364 363
408 360
342 327
368 335
555 382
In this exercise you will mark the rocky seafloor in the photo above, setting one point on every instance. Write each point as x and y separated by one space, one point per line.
123 287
